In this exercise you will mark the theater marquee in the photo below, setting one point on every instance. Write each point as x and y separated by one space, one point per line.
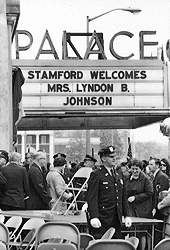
93 85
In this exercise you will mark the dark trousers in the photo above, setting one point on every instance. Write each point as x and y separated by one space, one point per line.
98 232
158 228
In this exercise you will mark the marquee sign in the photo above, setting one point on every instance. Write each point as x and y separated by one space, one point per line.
92 85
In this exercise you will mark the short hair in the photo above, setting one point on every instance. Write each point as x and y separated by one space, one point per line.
156 160
29 153
39 154
59 162
136 162
14 156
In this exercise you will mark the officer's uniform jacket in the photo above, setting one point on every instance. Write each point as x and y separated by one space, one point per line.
105 195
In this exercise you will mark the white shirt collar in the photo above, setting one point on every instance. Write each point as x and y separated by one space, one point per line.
156 172
109 170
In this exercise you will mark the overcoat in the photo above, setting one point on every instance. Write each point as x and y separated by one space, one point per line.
56 187
16 187
142 189
38 196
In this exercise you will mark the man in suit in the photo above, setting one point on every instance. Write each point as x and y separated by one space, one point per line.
38 196
106 196
160 183
29 157
16 187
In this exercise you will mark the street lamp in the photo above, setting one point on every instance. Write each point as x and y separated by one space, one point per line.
131 10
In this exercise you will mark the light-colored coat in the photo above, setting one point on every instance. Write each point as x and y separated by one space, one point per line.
56 186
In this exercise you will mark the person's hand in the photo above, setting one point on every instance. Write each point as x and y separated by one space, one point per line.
128 222
84 207
131 199
70 195
95 222
154 212
52 202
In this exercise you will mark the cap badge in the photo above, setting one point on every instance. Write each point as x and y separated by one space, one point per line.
111 149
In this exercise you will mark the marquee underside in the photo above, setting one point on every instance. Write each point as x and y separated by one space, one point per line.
75 122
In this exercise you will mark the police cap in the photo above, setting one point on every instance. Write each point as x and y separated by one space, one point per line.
106 151
4 154
59 155
90 158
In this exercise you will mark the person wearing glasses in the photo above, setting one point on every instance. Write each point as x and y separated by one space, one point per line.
165 166
39 198
29 157
107 197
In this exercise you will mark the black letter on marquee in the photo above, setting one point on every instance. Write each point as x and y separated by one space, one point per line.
124 88
51 88
90 49
125 33
19 48
52 51
142 44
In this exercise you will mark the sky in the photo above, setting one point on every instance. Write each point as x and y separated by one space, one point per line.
56 16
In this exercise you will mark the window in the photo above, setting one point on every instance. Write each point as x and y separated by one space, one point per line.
45 145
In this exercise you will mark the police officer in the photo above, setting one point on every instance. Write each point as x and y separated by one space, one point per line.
89 161
3 158
106 197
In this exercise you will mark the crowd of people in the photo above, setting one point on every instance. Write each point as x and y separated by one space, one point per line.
131 189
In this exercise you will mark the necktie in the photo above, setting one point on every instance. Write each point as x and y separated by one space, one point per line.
112 172
43 169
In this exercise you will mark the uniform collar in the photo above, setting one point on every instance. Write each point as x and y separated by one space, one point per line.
108 170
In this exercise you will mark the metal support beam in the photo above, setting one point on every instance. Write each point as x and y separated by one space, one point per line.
12 13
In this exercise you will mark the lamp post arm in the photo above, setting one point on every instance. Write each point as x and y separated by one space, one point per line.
93 18
88 20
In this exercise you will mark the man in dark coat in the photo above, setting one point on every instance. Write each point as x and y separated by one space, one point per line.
3 161
38 196
16 187
106 196
160 183
29 157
